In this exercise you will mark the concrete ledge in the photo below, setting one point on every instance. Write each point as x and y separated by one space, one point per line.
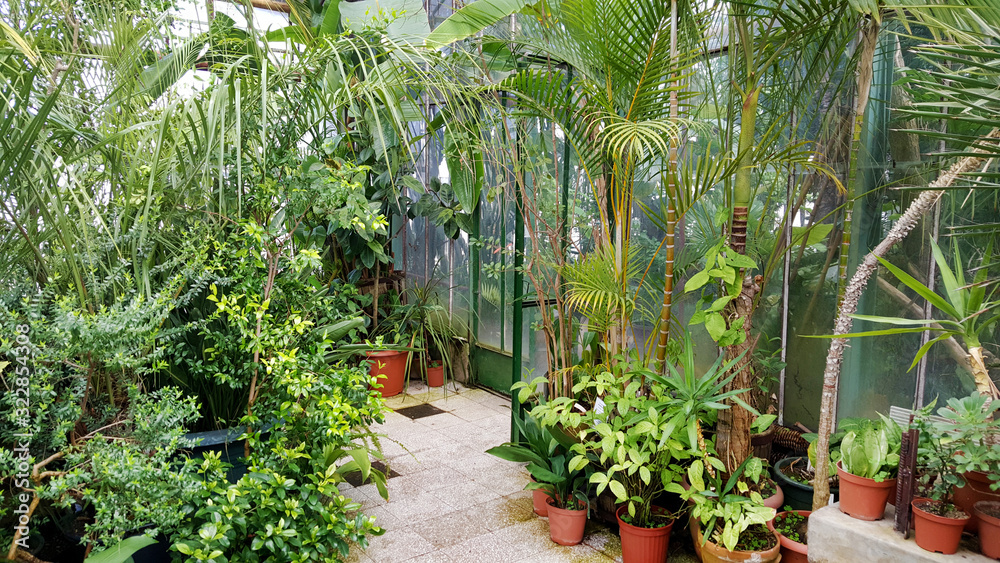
835 537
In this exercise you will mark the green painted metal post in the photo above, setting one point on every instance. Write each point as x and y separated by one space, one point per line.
518 304
474 266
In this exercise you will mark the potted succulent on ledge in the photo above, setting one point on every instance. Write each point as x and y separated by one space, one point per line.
869 458
792 528
950 447
734 519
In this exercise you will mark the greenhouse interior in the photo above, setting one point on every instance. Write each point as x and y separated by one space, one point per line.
499 281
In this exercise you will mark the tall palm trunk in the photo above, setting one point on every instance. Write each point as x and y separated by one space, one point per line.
733 438
668 273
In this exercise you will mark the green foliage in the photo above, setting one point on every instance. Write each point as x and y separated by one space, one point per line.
871 449
632 441
725 268
726 507
962 440
546 451
287 507
788 523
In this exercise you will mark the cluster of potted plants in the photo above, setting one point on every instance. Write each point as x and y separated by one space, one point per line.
636 436
958 467
959 472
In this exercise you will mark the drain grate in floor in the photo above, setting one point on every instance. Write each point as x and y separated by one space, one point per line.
419 411
355 478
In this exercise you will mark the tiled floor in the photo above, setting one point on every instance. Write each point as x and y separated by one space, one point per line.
451 501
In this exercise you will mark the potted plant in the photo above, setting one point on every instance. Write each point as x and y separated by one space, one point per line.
869 458
734 519
566 499
792 528
951 446
538 447
624 420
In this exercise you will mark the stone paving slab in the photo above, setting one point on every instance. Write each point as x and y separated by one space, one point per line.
452 502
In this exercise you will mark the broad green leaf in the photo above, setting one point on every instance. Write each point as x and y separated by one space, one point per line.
123 551
473 18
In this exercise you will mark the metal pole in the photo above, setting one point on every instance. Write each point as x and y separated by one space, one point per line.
928 314
784 287
515 375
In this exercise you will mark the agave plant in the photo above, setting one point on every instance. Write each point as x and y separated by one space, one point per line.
969 310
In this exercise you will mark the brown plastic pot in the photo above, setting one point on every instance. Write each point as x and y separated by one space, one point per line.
389 367
791 551
714 553
862 498
566 526
989 528
977 488
936 533
435 376
643 545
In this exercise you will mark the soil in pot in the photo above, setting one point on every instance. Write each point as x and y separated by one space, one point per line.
641 544
795 478
566 526
792 528
977 488
757 543
987 514
862 498
938 525
389 366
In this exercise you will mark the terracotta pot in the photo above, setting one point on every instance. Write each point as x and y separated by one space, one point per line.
435 376
389 366
566 526
937 533
538 498
977 488
791 551
777 500
989 528
713 553
861 498
643 545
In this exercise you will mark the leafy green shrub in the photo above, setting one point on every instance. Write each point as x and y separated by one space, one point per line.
287 507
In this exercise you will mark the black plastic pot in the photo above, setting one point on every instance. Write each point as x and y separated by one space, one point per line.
797 495
229 445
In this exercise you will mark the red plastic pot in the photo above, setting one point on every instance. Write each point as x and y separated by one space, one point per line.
435 376
791 551
643 545
936 533
389 367
989 528
977 488
862 498
566 526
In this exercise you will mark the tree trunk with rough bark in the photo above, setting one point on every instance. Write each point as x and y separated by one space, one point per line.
923 203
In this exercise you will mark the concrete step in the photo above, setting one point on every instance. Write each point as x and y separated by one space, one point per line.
835 537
